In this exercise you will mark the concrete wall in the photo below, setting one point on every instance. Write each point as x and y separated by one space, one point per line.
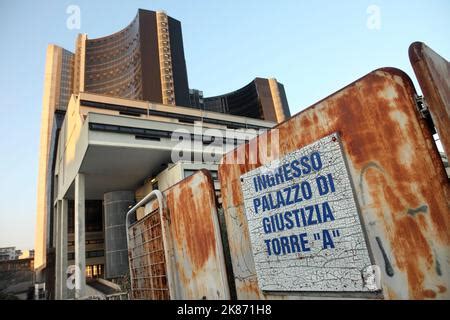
116 205
72 146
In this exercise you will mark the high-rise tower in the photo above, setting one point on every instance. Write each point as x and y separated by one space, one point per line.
136 74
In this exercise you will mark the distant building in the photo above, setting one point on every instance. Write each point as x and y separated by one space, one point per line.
9 253
196 99
16 277
263 99
27 254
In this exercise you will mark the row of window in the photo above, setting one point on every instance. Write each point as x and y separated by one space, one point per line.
109 79
93 58
114 48
93 216
93 271
66 78
117 37
116 64
89 254
88 242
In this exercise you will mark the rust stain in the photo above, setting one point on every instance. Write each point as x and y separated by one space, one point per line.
442 289
408 234
429 294
379 124
249 290
189 204
410 250
391 295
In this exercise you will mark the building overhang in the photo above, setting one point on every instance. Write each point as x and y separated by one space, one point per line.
122 152
119 143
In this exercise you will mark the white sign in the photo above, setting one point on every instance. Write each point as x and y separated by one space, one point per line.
304 226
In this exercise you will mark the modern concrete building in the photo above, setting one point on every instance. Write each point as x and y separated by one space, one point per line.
106 156
144 61
118 122
261 99
9 253
27 254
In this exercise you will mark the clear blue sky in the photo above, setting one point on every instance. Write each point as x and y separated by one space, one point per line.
313 47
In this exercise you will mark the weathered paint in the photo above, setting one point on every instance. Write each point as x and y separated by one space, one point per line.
433 74
313 230
195 255
395 169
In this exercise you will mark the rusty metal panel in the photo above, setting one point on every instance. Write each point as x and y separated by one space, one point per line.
194 261
433 73
398 178
147 259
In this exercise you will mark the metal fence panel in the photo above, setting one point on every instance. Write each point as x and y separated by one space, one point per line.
190 229
147 259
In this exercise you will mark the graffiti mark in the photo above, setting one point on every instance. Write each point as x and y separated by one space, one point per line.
387 263
413 212
361 176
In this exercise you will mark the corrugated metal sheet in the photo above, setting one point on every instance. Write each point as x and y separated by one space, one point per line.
433 74
190 227
399 180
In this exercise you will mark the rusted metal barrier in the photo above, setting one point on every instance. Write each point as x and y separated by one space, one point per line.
398 182
182 243
148 247
433 73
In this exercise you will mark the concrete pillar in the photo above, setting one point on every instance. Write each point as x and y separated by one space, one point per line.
116 205
55 226
80 250
57 251
63 247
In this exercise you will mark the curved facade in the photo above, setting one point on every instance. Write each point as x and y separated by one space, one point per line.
113 63
144 61
261 99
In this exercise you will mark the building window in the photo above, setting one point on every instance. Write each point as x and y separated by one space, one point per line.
93 216
94 271
89 254
95 241
95 254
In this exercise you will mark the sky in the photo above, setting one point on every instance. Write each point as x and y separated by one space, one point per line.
313 47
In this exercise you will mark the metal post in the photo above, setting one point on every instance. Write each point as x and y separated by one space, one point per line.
80 251
63 251
57 251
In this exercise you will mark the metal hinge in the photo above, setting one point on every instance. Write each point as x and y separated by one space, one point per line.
422 106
